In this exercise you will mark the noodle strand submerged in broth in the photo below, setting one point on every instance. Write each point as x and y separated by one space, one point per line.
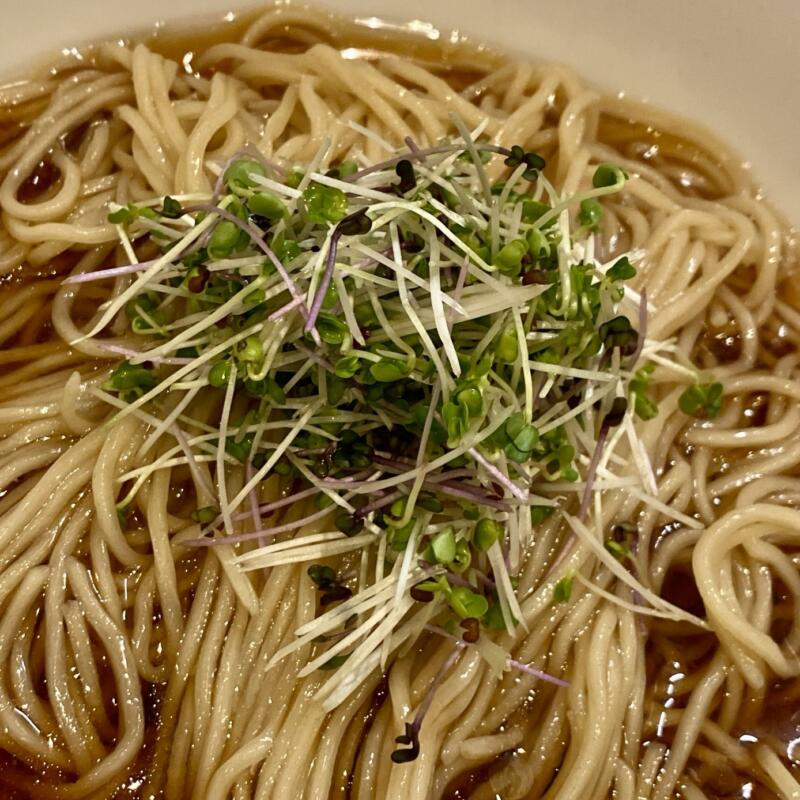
134 664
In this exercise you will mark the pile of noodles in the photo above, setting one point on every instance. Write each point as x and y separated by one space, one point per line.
126 657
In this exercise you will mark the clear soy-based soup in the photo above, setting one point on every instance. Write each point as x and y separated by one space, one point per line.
385 417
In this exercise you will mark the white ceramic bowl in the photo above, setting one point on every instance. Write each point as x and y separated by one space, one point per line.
729 64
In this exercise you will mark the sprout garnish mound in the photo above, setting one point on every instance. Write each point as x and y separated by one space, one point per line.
432 363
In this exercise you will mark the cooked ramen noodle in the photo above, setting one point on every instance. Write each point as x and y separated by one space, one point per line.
382 417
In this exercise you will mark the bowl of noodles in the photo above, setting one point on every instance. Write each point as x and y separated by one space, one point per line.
386 414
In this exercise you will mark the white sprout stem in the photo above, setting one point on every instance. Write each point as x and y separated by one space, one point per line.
222 487
174 252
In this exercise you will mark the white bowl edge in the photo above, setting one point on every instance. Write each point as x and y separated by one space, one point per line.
728 65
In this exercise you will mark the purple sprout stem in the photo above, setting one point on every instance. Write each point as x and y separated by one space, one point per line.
441 483
350 482
325 282
129 352
537 673
522 667
464 493
112 272
412 146
381 502
285 309
425 705
592 471
261 533
315 357
285 501
512 487
452 577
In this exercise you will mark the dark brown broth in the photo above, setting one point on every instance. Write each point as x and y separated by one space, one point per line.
661 149
461 61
